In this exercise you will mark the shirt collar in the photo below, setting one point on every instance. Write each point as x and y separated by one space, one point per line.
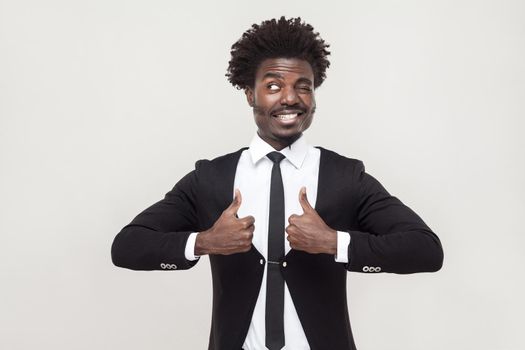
295 153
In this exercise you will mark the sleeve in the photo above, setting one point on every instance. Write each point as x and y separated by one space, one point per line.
189 251
343 240
156 238
391 237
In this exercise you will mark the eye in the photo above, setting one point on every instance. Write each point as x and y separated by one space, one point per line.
273 87
305 88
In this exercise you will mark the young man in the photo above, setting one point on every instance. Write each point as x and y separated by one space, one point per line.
279 256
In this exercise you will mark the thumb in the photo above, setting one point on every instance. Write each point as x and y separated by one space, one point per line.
303 200
236 203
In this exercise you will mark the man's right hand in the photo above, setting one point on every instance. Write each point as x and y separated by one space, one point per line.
229 234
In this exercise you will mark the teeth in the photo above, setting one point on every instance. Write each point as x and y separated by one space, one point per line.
287 116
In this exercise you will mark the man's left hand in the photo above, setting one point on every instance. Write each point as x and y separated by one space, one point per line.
309 232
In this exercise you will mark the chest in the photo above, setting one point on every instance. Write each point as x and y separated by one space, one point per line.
254 183
329 186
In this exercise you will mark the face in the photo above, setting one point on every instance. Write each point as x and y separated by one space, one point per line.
282 99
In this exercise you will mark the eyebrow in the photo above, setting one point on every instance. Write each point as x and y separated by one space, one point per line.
279 76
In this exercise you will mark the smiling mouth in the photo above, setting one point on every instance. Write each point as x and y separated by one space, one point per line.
287 116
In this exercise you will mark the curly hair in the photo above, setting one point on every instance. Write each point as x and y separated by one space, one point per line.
287 38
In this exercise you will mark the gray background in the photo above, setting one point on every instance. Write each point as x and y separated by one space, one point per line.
104 105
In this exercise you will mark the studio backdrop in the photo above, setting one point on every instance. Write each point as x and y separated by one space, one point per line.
105 105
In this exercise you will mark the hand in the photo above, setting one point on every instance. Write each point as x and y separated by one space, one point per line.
309 232
229 234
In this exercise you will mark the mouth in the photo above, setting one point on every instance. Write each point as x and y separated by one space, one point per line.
288 116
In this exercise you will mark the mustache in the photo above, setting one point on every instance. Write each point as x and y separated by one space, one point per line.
289 110
281 110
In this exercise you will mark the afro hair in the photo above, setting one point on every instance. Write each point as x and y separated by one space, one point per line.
283 38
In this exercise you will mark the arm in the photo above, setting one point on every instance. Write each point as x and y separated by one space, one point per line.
156 238
392 237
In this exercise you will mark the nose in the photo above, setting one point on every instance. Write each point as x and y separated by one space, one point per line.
289 96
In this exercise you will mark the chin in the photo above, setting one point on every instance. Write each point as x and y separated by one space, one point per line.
287 137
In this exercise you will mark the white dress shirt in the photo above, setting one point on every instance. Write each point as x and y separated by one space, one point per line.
252 178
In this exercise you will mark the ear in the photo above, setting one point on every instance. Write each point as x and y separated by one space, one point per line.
249 96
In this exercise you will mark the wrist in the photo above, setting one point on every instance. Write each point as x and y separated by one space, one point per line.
332 242
201 244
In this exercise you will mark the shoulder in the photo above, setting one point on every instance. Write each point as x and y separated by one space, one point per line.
221 163
333 159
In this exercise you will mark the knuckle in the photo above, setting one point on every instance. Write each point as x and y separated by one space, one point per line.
244 245
248 221
240 225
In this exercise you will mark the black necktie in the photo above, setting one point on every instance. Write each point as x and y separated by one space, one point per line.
275 281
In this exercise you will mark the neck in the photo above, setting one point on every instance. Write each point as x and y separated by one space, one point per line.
279 144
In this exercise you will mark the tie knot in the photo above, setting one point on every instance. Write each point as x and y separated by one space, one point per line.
275 157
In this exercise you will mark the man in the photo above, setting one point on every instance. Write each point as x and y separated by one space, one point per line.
301 216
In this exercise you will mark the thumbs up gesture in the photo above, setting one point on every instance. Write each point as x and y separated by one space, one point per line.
309 232
229 234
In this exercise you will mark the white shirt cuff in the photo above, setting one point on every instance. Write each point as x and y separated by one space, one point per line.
189 251
343 241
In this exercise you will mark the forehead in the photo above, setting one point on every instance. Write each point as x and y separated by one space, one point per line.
287 67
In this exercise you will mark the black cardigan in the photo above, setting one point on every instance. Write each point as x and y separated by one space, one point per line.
386 236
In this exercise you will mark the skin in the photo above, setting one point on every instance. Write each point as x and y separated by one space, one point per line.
282 86
229 234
